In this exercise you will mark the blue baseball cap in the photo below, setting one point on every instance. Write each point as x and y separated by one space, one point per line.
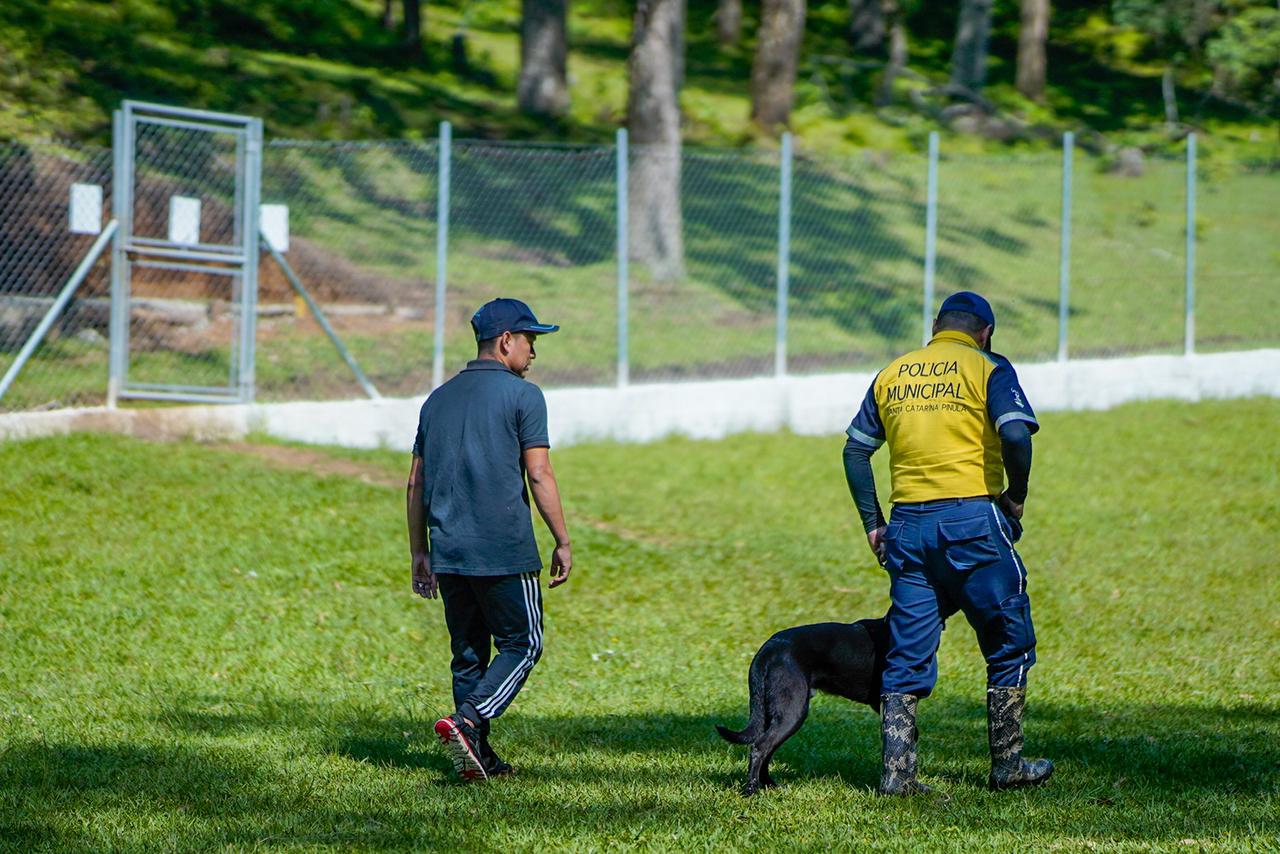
507 315
972 303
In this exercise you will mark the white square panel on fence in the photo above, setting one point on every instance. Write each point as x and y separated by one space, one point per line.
86 209
274 220
184 220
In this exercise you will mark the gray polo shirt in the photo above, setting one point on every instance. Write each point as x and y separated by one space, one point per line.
471 433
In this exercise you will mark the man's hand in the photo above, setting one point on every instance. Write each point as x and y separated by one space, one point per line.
875 539
1011 508
561 564
424 580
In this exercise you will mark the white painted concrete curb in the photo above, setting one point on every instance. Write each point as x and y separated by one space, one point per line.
821 404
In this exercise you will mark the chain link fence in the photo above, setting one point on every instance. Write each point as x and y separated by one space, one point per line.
362 241
183 324
701 282
538 223
38 253
857 246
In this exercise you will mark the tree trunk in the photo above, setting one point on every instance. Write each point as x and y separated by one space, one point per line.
1170 96
773 73
413 27
389 15
897 52
543 89
969 55
867 26
655 69
729 22
1032 35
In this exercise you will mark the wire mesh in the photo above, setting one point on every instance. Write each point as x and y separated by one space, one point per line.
362 223
999 228
857 248
177 164
1128 258
184 327
537 223
1237 256
705 307
38 253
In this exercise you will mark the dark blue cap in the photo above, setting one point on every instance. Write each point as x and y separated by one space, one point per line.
507 315
972 303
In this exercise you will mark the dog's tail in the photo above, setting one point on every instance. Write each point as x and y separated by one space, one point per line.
755 725
745 736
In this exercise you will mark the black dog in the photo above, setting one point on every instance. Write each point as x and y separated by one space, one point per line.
845 659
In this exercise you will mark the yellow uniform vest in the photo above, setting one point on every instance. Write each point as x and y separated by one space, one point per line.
933 404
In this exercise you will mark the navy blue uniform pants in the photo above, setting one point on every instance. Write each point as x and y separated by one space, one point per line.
948 556
483 613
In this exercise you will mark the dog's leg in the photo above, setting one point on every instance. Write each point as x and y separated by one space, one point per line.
754 783
786 705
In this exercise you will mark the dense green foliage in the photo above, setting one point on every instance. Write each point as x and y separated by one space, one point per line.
203 650
329 69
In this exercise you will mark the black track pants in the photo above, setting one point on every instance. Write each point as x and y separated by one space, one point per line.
505 610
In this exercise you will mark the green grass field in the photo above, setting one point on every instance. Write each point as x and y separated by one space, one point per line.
204 648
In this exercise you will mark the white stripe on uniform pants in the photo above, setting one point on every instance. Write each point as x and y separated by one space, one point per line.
506 691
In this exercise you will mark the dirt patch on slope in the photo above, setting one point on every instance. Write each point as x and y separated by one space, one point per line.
315 462
318 463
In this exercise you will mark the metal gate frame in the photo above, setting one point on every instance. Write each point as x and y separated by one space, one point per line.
239 258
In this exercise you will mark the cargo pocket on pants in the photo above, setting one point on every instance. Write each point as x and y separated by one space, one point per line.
1015 614
968 543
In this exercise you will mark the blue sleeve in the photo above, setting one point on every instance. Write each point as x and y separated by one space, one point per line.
531 419
866 427
1006 401
417 435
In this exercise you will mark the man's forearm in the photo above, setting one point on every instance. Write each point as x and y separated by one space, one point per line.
416 511
862 484
546 495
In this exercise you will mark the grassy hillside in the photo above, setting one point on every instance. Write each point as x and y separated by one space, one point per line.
204 649
327 69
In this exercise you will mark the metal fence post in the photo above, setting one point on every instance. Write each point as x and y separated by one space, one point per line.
1189 345
1064 248
121 181
784 257
624 359
930 237
442 250
252 248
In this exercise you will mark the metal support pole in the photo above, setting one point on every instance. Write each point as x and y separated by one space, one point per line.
321 319
624 343
60 303
784 257
1189 344
1064 247
249 274
930 237
442 250
121 190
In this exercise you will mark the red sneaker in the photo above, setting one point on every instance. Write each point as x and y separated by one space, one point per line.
460 742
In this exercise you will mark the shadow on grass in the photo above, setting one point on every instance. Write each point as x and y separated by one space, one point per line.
1165 747
1120 770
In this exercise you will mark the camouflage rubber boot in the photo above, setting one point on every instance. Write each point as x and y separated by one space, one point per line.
1004 731
898 735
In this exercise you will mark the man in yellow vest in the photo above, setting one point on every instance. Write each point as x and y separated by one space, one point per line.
957 423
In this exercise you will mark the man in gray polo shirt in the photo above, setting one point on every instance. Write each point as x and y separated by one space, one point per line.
470 528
